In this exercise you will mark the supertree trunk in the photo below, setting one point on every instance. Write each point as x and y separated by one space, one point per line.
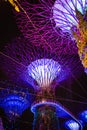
45 118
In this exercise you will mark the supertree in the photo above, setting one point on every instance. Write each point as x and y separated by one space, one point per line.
44 71
71 17
14 101
36 23
45 108
40 68
48 18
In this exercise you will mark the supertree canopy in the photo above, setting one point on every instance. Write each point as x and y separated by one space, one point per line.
71 16
22 60
14 101
47 21
64 13
47 73
35 21
14 105
44 71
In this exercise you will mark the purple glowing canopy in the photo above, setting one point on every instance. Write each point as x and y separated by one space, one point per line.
44 71
38 26
64 13
39 40
20 53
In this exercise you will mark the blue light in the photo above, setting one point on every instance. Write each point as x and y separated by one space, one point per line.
72 125
83 116
44 71
64 13
59 109
49 103
14 104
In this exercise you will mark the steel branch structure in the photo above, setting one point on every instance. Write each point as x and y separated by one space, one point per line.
71 17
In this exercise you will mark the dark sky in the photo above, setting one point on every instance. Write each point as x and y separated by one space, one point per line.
8 27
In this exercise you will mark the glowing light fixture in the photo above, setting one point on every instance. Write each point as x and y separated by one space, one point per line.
14 105
83 116
72 125
44 71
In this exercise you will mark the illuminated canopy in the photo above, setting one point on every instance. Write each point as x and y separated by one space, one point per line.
71 16
14 104
64 13
44 71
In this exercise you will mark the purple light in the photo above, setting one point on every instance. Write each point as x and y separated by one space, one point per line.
42 103
39 27
59 109
18 57
64 13
44 71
